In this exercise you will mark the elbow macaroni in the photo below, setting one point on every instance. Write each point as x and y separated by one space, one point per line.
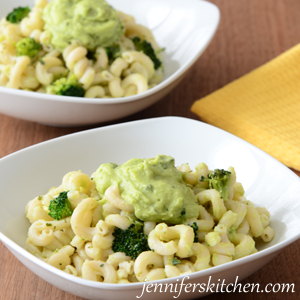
128 73
81 244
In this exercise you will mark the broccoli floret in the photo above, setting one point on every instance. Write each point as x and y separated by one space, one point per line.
195 228
91 56
146 48
66 87
60 207
132 241
219 180
18 14
28 46
112 52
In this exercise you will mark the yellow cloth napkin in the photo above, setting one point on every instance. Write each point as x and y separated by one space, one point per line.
262 107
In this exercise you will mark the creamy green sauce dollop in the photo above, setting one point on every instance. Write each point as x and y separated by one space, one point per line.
154 187
92 22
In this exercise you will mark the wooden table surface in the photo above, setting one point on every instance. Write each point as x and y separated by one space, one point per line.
251 32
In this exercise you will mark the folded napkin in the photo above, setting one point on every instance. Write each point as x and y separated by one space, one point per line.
262 107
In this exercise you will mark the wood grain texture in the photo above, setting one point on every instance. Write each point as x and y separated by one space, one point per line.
250 33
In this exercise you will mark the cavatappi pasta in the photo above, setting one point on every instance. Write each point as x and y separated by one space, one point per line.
131 72
81 244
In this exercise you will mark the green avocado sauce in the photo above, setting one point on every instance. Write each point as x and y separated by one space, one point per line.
91 22
154 187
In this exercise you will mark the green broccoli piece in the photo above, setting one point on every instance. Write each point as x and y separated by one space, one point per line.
91 56
146 48
28 46
195 228
132 241
60 207
18 14
66 87
219 180
113 52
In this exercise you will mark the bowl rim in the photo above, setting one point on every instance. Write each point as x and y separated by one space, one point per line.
110 286
165 83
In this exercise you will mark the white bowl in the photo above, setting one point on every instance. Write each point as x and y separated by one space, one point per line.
32 171
183 28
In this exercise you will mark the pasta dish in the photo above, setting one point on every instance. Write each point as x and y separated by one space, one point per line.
80 48
145 220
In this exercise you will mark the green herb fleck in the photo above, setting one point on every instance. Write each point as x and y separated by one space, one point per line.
182 215
175 261
195 228
149 188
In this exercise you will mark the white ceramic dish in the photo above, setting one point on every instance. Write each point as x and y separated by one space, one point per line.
183 28
32 171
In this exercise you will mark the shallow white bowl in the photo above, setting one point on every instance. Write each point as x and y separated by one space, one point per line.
183 28
30 172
